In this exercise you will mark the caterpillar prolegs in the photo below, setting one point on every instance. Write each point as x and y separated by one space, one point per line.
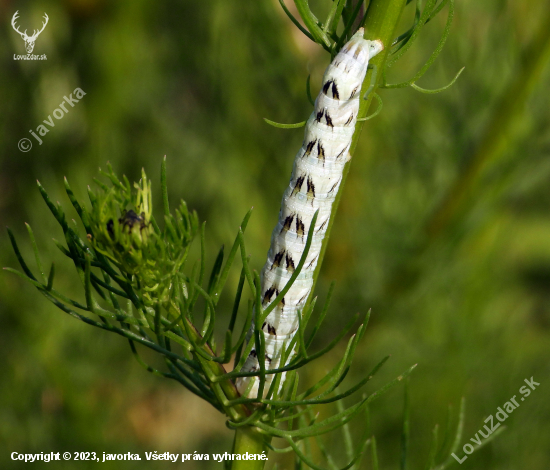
314 183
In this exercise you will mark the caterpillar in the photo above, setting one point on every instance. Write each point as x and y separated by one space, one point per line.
314 183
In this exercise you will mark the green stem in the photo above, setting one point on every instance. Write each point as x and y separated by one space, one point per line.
224 390
248 439
380 23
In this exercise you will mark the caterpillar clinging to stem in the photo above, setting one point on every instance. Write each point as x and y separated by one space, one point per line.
316 177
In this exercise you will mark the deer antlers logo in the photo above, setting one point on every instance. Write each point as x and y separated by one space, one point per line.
29 40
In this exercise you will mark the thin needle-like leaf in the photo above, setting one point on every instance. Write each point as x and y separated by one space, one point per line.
458 435
285 126
295 21
438 90
36 254
308 91
378 109
312 24
374 454
433 448
225 272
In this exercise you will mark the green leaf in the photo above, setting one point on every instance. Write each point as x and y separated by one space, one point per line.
285 126
438 90
295 21
236 245
36 254
215 274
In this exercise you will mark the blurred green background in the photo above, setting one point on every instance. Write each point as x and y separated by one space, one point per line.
466 296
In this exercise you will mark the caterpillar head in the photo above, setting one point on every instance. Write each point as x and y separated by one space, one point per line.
357 44
375 47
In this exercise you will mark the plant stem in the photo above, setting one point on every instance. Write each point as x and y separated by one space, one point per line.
248 439
380 23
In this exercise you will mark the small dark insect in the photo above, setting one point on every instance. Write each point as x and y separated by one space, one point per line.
128 220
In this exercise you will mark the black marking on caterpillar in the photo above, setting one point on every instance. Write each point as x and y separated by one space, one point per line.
278 259
322 225
320 151
328 119
298 185
335 93
340 154
300 227
270 329
289 263
320 115
269 294
288 223
353 92
310 146
334 89
312 261
348 122
335 184
310 189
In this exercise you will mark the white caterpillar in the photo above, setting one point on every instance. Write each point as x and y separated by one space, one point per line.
314 183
